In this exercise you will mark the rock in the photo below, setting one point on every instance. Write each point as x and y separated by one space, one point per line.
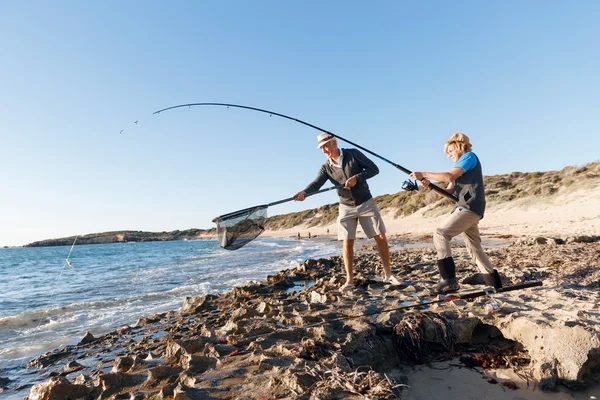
463 329
4 382
114 382
244 313
316 297
179 348
557 351
263 308
198 364
298 381
87 338
193 305
57 388
123 364
82 379
581 239
160 373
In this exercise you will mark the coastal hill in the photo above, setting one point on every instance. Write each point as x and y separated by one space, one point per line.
509 196
126 236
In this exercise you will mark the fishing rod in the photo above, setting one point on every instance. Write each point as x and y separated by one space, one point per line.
401 168
466 296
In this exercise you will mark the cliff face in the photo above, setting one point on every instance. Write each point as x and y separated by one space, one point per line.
126 236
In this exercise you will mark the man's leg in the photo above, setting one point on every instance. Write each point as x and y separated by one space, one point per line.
374 227
384 254
349 260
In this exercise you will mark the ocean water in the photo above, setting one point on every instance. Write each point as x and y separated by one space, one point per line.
45 304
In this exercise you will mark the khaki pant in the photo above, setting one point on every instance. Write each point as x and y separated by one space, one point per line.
367 214
465 222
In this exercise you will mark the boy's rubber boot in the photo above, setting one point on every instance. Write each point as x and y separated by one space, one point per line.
493 279
448 284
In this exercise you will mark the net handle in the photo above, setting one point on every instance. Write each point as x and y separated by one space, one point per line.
311 194
252 209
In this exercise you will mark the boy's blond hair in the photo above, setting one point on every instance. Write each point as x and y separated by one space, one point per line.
460 141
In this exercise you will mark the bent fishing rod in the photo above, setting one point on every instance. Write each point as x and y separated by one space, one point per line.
401 168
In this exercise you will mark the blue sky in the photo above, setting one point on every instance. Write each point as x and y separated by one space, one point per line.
397 77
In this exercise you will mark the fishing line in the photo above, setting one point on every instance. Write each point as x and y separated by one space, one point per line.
68 263
271 113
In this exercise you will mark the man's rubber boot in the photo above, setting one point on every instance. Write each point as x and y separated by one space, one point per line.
448 284
493 279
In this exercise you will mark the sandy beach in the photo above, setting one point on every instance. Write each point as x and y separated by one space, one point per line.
571 214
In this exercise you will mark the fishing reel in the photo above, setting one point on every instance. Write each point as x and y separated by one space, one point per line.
410 186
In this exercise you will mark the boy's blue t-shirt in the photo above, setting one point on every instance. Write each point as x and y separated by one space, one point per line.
467 162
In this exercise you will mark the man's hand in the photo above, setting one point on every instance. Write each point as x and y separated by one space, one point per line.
425 183
300 196
351 182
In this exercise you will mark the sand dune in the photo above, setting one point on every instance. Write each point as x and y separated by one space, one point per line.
573 213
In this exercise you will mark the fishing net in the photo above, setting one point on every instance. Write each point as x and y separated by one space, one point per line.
237 229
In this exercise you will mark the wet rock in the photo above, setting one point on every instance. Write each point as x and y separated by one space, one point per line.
49 358
57 388
71 367
4 382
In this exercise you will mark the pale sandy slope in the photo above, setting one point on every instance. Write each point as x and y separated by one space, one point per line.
572 213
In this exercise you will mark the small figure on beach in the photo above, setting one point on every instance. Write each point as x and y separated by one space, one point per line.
466 182
309 235
299 237
356 202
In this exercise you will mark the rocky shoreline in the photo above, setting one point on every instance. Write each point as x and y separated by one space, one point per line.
295 336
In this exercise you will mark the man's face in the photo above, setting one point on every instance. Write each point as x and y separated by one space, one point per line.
330 149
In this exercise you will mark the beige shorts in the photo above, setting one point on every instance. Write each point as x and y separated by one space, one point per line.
367 214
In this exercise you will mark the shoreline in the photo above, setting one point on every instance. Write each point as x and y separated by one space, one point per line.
258 334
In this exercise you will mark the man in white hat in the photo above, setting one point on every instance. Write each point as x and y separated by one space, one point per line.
351 168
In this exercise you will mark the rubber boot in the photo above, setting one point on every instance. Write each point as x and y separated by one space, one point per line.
493 279
447 269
